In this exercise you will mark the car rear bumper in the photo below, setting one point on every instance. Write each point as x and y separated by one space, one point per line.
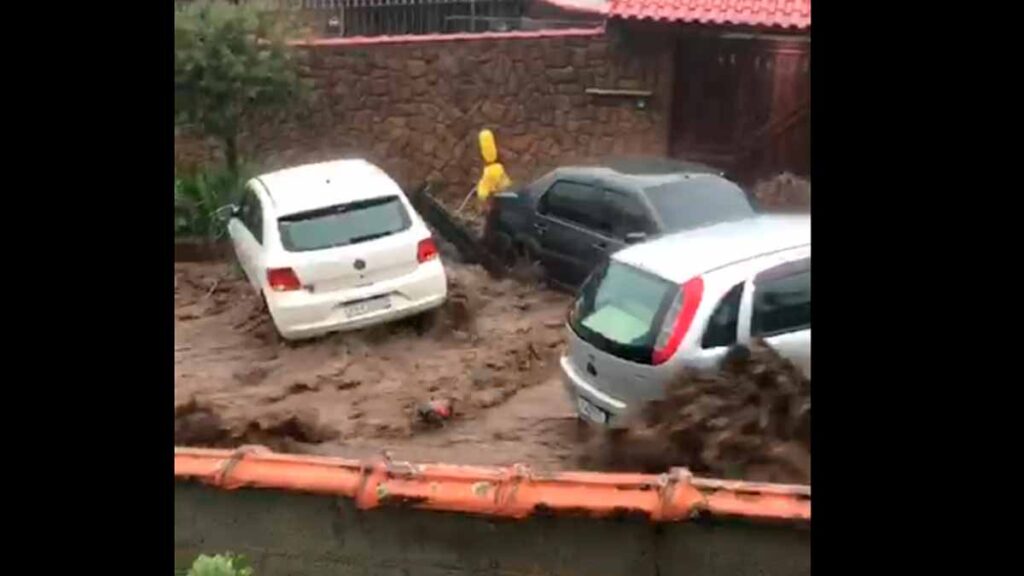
577 387
302 315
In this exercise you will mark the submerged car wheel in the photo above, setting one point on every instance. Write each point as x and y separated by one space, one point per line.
527 266
501 246
425 322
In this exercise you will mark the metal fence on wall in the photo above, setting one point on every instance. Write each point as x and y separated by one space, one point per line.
400 17
392 17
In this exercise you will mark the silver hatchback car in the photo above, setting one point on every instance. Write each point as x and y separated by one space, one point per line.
683 300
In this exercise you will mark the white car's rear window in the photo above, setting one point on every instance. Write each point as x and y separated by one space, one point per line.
343 224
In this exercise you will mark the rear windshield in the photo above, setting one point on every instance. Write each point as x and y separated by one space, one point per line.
620 310
343 224
697 202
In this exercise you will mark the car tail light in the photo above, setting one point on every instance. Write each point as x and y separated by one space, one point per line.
283 280
678 320
426 250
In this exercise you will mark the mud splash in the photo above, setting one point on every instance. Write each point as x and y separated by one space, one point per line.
199 423
751 419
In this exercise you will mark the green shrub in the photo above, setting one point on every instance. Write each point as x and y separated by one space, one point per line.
197 198
219 565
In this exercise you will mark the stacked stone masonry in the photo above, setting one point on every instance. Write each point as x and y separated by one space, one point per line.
415 108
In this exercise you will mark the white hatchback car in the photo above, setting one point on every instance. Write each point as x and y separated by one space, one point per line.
684 300
335 246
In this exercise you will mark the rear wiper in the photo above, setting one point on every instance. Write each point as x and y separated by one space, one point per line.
367 237
628 351
601 340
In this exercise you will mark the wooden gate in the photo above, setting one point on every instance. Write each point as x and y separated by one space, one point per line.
743 104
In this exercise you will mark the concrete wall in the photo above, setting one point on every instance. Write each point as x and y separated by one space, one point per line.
285 533
415 106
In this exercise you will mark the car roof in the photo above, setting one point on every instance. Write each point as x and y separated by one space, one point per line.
313 186
680 256
637 172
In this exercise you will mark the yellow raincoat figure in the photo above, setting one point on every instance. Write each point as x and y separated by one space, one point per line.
494 178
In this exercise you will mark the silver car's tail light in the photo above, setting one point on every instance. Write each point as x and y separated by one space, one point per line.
678 320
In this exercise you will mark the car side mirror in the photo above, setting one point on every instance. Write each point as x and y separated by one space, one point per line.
635 237
225 213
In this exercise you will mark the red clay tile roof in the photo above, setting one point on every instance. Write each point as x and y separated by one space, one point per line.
780 13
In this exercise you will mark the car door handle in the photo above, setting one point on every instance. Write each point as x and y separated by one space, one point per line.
540 228
599 246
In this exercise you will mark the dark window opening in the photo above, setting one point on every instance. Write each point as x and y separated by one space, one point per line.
698 201
627 214
724 321
251 215
576 203
782 304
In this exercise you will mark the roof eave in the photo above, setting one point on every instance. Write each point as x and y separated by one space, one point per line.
794 26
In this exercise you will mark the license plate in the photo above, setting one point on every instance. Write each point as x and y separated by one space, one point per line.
591 412
367 306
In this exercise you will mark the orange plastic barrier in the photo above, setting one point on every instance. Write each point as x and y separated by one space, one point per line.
515 492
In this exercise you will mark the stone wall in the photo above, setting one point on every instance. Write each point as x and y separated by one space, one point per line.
415 106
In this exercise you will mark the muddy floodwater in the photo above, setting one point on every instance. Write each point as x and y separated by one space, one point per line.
492 356
493 351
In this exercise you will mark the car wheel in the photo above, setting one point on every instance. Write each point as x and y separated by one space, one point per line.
529 266
502 247
584 429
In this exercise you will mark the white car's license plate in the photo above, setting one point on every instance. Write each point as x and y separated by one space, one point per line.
367 306
591 412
